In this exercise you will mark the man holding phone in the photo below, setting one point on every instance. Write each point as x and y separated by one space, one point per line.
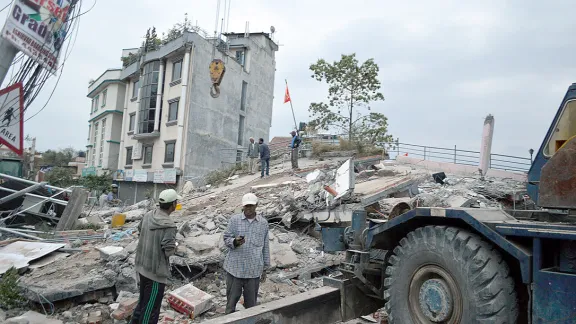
248 255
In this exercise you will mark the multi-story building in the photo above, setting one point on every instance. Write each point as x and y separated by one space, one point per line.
104 130
171 128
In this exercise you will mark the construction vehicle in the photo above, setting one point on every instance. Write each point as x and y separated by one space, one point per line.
472 265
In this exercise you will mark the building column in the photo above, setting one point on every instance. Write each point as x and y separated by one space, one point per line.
124 129
181 109
159 97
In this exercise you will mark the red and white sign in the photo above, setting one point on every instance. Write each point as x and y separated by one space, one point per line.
12 118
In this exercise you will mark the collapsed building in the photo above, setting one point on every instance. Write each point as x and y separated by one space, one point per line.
87 276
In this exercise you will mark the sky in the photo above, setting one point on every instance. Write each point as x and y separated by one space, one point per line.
444 65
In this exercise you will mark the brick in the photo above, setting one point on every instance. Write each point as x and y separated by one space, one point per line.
125 309
129 303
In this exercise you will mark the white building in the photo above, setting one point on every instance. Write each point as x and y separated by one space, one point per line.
160 123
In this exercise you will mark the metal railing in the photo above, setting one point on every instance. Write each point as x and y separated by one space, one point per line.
457 156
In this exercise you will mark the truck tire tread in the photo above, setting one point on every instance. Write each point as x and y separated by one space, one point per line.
492 292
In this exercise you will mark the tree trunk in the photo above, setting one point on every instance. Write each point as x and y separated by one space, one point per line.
350 137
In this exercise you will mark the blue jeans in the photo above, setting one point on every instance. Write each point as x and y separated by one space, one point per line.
265 163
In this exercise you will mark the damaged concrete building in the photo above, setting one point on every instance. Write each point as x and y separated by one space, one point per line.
155 122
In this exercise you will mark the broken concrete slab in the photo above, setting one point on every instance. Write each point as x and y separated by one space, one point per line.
112 253
77 275
203 243
125 309
73 209
271 185
282 256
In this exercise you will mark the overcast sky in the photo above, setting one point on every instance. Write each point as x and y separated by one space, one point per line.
444 65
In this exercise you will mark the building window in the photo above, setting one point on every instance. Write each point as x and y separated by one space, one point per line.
240 55
96 100
241 130
102 134
129 155
177 71
92 109
148 104
131 121
147 154
104 95
169 153
135 86
243 96
89 132
173 111
95 143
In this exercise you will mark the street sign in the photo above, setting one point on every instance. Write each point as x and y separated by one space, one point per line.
12 118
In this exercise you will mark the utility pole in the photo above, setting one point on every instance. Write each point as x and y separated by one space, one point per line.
7 54
32 156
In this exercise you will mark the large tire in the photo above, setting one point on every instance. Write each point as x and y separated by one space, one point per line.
448 275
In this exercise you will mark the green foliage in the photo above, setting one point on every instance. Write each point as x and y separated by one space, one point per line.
61 177
10 293
89 226
372 129
96 182
177 30
58 158
130 59
351 85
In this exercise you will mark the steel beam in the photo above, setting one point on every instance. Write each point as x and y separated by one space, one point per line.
58 201
3 175
22 192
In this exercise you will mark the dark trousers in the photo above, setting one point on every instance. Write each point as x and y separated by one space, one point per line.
265 164
148 309
234 288
294 158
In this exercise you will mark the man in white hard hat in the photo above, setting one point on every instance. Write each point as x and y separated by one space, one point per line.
248 255
156 244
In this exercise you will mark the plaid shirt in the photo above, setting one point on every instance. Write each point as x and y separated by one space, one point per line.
251 258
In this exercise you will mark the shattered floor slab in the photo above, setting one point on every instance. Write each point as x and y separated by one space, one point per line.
19 254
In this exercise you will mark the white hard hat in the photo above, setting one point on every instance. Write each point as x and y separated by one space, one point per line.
168 196
249 199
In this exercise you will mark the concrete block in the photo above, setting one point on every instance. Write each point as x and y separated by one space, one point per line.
125 309
110 253
203 243
282 256
190 300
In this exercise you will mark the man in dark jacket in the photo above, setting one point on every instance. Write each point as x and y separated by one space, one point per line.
264 158
294 145
156 244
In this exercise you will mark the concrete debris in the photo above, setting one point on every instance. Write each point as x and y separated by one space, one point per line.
291 204
31 317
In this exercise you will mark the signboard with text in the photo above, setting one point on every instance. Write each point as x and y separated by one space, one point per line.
12 118
140 175
38 29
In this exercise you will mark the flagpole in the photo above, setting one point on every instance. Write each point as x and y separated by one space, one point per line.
292 107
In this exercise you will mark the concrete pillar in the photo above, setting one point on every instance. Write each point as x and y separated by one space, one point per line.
159 97
73 209
7 54
182 109
486 148
125 120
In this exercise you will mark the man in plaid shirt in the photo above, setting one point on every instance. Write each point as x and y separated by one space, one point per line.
248 255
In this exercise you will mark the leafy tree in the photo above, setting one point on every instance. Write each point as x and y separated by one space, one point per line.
177 30
372 129
58 158
96 183
351 85
61 177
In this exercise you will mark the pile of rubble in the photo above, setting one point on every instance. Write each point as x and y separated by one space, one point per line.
97 270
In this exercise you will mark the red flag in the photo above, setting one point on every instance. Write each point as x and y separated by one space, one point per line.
287 95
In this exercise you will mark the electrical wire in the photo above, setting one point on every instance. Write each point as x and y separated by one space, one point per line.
34 76
6 7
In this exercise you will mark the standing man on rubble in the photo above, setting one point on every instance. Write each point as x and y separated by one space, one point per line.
264 158
253 154
248 255
156 244
294 146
